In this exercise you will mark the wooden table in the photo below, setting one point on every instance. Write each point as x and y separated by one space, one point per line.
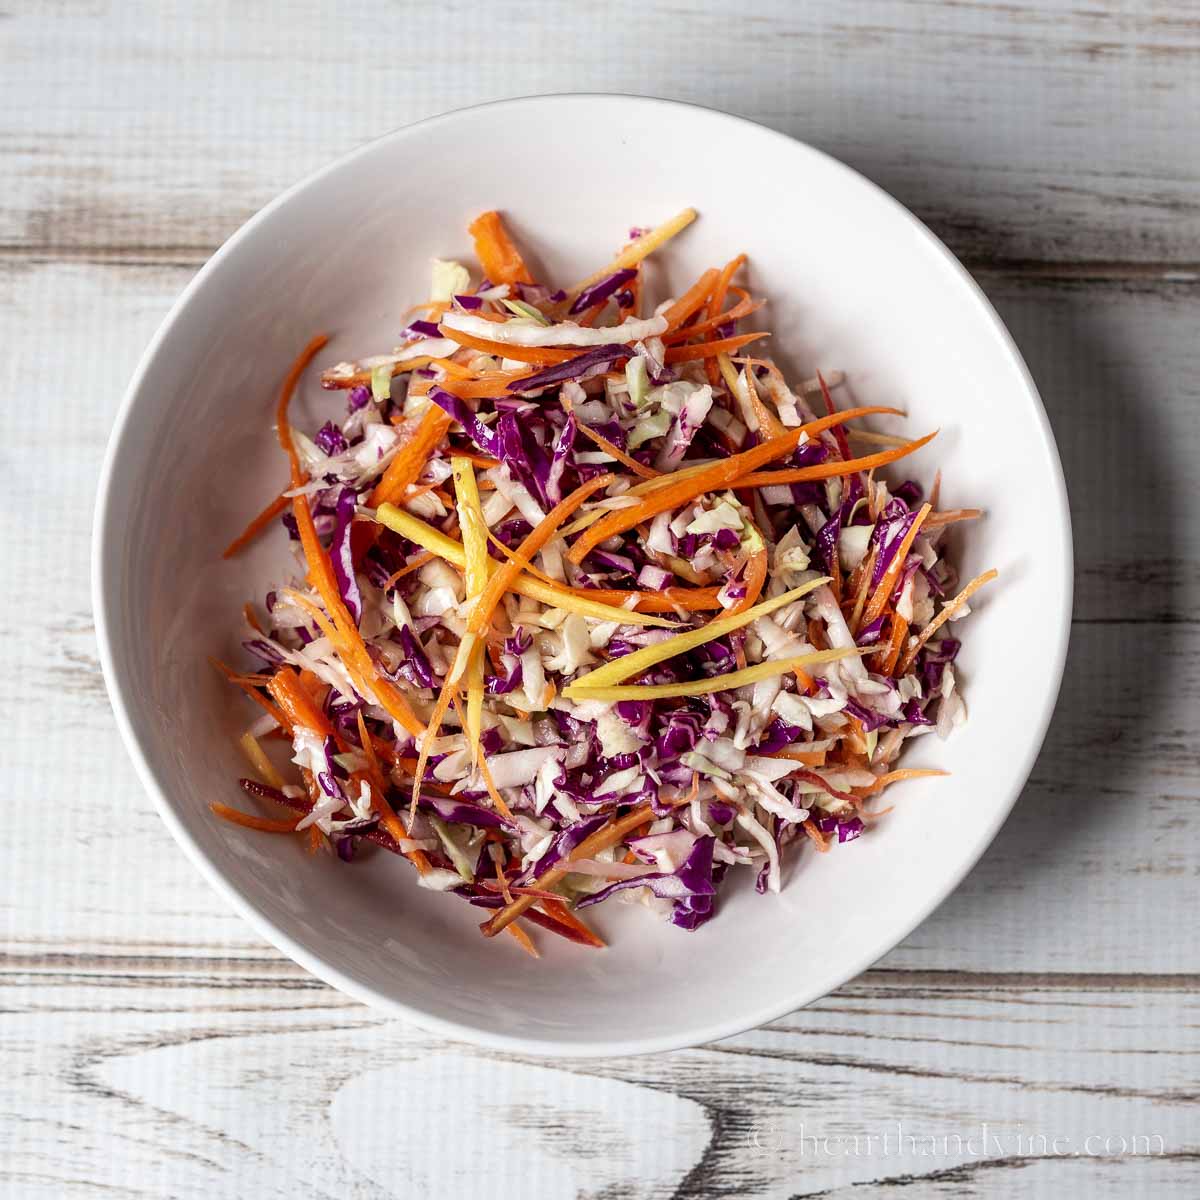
153 1046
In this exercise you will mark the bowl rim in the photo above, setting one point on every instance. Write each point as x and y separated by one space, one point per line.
312 962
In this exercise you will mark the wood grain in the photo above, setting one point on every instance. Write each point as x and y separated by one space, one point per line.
263 1082
1105 826
152 1046
1022 130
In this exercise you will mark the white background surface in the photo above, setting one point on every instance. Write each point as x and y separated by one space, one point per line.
151 1045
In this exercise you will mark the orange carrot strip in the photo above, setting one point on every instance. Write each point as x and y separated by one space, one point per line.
274 509
488 386
895 777
756 576
483 461
249 821
728 271
251 619
560 912
363 378
404 469
484 770
523 940
691 300
604 837
743 308
943 617
818 838
887 584
416 564
828 470
545 529
698 599
627 460
500 259
674 493
296 704
861 581
949 516
678 354
890 654
353 649
431 731
540 355
251 690
807 758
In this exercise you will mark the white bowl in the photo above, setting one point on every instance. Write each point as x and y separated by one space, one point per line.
854 282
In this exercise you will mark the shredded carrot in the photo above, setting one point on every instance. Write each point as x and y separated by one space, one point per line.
276 508
500 259
604 837
807 758
363 378
546 528
416 564
251 618
830 470
522 939
937 519
890 654
692 300
756 577
431 731
686 353
353 649
743 308
895 777
681 486
538 355
483 461
405 468
297 704
488 782
249 821
488 386
560 912
861 583
818 838
891 576
947 612
251 690
728 271
625 459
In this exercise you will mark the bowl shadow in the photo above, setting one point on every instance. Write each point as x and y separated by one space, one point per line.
1079 828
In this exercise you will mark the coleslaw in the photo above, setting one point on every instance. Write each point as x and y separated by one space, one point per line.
590 603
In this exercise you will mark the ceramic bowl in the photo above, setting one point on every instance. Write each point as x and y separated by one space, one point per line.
854 282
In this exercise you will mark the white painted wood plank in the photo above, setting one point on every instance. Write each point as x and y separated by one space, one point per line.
274 1086
1098 846
1022 130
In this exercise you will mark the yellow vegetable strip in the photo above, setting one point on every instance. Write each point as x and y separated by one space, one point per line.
546 528
452 551
474 536
620 669
639 249
718 683
259 761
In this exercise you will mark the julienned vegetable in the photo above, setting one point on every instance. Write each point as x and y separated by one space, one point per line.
589 603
